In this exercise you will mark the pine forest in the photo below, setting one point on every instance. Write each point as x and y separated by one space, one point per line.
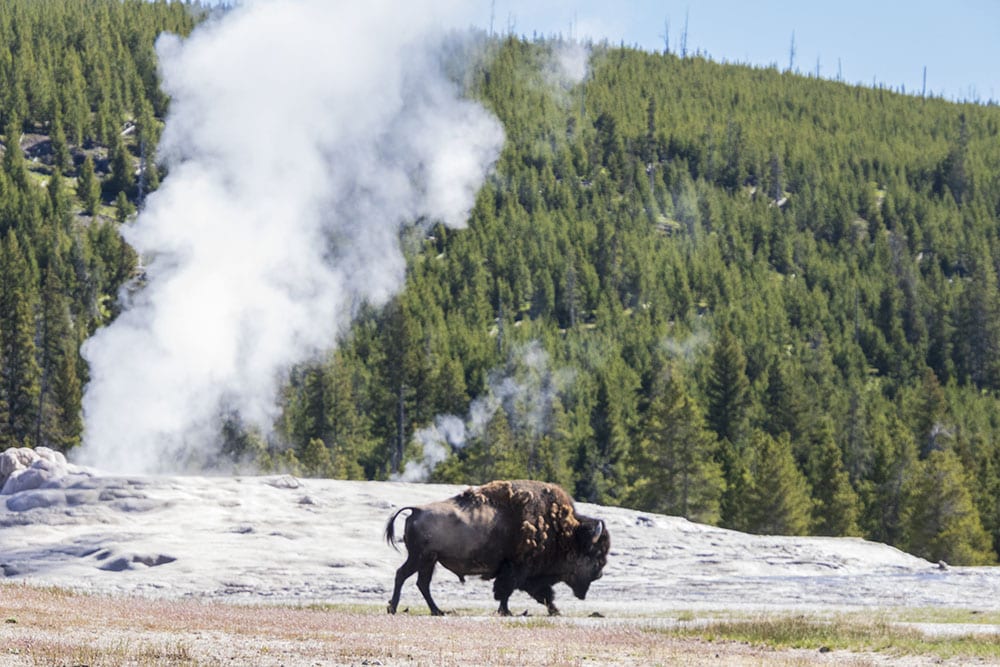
746 296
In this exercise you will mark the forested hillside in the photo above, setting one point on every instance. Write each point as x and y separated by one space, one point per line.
80 115
748 297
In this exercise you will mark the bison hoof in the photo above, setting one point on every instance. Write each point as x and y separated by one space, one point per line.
391 609
554 612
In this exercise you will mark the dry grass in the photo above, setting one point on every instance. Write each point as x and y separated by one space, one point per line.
47 626
853 632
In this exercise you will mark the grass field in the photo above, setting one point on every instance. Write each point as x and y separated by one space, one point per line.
50 626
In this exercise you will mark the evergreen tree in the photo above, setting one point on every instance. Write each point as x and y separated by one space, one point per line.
736 463
123 208
59 204
60 148
6 439
941 522
507 458
954 171
72 92
88 187
678 473
146 140
888 482
398 377
977 335
19 371
778 501
348 430
316 460
287 462
495 455
728 388
243 447
837 507
784 408
601 465
928 412
553 456
60 423
122 178
307 410
13 157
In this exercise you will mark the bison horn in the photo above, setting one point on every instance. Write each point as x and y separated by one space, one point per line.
597 531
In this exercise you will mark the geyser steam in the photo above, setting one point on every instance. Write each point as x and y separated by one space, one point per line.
301 135
525 389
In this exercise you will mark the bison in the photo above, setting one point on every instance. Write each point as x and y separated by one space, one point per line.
525 535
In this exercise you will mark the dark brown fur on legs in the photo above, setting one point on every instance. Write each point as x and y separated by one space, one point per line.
540 588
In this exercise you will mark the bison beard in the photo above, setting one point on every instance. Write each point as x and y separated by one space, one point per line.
525 535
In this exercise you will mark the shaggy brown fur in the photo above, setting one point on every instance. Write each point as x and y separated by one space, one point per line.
544 512
525 535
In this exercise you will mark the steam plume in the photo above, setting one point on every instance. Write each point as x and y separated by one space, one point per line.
568 64
301 135
524 389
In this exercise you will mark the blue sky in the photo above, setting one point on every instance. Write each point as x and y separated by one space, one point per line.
958 41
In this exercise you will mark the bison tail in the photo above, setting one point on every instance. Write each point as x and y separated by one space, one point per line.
390 527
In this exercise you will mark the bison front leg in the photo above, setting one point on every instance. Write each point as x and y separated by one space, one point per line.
504 586
543 593
424 584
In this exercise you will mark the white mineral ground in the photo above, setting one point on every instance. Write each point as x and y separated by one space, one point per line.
283 539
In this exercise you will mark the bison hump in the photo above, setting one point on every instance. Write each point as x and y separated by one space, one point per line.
543 511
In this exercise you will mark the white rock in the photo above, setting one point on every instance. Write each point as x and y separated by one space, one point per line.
13 459
23 469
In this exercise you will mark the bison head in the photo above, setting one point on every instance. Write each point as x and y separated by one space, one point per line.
592 544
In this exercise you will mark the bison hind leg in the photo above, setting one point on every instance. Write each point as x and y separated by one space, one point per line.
424 585
404 572
423 565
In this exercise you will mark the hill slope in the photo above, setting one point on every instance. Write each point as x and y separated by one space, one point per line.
754 284
285 539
